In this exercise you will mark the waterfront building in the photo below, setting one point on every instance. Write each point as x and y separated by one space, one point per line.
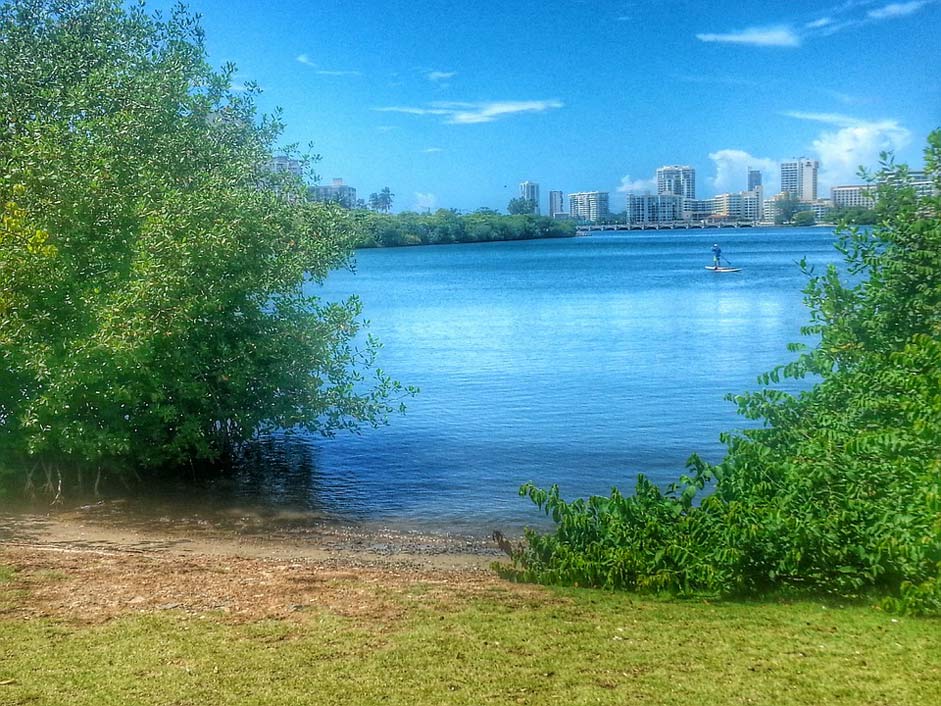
740 206
697 209
589 205
772 207
727 206
821 209
337 191
529 190
677 180
853 196
555 204
799 178
654 208
754 178
753 204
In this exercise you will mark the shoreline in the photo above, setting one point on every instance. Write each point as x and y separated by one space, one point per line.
84 530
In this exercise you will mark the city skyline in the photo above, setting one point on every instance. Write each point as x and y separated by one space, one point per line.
453 106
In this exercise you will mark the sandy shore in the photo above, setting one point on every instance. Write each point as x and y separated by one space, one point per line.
77 566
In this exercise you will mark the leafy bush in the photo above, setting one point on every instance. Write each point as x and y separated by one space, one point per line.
839 491
152 264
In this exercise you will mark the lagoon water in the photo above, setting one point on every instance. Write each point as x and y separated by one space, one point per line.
581 362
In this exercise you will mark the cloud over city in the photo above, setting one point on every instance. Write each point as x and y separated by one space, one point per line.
637 186
732 169
850 143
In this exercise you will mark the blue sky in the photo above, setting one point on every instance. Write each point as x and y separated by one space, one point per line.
453 104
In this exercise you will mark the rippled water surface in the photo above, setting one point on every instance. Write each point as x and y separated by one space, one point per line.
581 362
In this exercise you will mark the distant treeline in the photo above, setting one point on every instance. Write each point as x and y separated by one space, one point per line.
446 226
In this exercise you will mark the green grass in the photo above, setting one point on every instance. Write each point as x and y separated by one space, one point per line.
506 647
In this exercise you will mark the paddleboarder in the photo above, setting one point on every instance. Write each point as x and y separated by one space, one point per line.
716 255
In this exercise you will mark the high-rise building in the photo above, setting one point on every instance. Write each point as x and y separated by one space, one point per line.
799 178
754 178
529 190
589 205
336 191
677 180
555 203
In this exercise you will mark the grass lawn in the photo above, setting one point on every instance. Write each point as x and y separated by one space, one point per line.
422 641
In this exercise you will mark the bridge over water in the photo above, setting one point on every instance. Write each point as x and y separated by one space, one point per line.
674 225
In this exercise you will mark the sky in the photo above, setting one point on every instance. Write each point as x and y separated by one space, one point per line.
452 105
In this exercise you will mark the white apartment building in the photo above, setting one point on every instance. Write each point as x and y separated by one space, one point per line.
799 178
741 206
678 180
589 205
697 209
853 196
530 190
649 208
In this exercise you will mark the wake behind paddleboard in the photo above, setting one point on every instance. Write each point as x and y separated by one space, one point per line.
712 268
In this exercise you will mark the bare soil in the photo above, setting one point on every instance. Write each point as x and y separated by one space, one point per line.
72 567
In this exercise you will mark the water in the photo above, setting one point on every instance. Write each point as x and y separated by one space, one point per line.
581 362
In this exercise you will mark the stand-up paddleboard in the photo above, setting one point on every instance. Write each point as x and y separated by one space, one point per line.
713 268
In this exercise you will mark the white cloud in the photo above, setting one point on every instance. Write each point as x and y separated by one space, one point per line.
425 202
781 36
637 186
328 72
432 150
732 171
439 76
307 61
471 113
848 15
896 9
854 143
835 119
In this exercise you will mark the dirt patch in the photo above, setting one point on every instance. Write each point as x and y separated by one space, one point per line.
83 572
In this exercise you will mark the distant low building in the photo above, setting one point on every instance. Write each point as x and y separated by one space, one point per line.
821 209
654 208
697 209
853 196
739 206
337 192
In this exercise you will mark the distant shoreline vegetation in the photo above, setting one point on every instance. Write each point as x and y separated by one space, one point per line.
444 226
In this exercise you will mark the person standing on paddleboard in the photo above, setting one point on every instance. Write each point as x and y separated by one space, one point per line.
716 255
